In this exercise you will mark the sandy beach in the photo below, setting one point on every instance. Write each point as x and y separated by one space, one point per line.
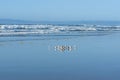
56 58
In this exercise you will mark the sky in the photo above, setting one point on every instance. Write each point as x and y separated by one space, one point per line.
60 10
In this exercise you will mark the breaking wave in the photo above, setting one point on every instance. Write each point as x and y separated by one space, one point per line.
27 30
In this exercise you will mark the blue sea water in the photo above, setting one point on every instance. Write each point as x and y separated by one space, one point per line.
59 52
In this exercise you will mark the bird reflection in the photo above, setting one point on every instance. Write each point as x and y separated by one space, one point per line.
63 48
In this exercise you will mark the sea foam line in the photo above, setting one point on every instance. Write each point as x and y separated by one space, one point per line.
48 29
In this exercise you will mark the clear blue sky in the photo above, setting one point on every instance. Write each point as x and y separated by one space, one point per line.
60 10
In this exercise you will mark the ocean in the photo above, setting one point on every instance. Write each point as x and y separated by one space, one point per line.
60 51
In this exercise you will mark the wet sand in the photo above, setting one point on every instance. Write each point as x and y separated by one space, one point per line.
60 58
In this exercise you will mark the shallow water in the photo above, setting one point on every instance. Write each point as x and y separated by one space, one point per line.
95 57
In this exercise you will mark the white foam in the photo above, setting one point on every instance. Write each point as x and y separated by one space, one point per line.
48 29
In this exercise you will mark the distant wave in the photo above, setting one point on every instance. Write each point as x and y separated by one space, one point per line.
27 30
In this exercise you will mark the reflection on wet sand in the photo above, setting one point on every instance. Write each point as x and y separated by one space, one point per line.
1 44
63 48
